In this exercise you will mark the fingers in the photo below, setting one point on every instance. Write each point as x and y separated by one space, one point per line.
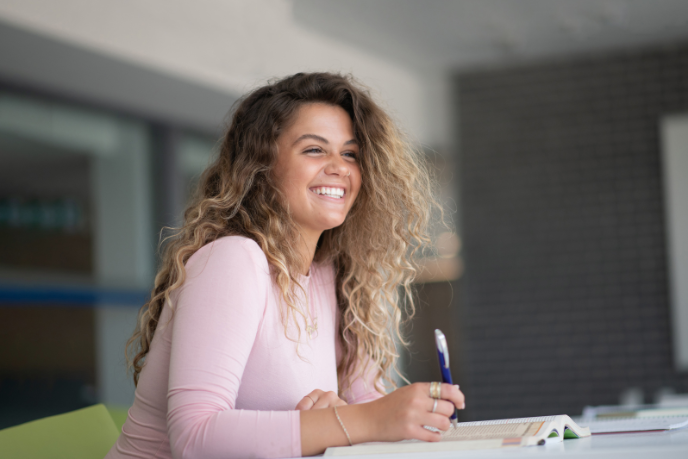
421 433
409 408
319 399
444 407
306 403
438 421
453 394
328 400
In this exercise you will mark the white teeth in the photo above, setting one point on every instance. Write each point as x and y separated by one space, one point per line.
331 192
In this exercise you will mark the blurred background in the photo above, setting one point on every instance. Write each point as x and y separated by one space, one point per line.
558 131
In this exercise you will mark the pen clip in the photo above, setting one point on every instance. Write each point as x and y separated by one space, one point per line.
441 342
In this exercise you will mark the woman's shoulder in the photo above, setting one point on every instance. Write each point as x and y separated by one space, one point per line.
231 253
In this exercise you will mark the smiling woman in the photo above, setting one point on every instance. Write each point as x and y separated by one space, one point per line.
317 170
307 221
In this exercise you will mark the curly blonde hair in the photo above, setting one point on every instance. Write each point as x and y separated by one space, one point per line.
372 251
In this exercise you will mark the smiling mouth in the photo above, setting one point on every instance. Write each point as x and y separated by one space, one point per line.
337 193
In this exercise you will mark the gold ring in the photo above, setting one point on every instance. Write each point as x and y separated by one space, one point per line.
434 406
435 390
311 399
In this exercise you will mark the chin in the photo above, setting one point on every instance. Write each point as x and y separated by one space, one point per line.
332 223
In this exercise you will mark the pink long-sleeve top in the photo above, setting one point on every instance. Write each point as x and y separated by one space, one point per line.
222 378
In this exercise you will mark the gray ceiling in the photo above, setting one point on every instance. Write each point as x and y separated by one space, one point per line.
29 60
460 34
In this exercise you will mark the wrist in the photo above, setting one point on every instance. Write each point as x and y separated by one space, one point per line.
360 422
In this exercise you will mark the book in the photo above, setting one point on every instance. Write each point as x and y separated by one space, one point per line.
635 424
637 418
501 433
635 411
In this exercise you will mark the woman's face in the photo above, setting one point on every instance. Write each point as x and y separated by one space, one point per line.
317 167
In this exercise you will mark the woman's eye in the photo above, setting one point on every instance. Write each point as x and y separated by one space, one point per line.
351 154
313 150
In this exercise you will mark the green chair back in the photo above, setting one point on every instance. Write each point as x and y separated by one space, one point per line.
88 433
118 414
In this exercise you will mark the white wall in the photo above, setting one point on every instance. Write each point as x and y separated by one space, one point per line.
674 130
231 46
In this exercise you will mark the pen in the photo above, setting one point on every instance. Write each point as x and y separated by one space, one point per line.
443 354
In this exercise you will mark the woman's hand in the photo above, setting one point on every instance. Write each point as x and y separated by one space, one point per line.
319 399
402 414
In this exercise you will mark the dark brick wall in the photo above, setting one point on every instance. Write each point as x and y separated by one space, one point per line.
566 299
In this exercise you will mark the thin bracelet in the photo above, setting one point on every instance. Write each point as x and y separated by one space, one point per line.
342 424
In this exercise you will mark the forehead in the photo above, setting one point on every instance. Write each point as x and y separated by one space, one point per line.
320 118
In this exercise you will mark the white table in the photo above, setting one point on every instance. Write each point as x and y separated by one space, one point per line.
652 445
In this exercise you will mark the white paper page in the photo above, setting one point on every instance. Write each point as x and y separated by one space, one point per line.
490 430
635 424
509 421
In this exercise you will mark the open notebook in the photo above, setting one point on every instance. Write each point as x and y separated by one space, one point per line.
478 435
635 424
639 418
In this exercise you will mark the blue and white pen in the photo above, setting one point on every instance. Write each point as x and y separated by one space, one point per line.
443 354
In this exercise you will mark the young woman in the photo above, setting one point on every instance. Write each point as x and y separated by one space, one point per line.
269 331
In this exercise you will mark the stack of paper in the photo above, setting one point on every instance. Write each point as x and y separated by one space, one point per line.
619 425
641 418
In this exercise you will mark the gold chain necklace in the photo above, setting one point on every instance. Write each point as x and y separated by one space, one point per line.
312 330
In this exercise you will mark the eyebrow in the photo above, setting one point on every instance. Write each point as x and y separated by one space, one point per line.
322 139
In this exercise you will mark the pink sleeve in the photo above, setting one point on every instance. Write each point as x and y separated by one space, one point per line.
217 315
362 388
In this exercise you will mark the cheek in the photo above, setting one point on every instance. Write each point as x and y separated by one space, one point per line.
357 183
294 185
293 193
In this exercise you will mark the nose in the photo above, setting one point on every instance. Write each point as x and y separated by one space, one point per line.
337 166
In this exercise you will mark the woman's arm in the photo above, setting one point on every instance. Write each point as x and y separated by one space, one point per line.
372 416
400 415
217 316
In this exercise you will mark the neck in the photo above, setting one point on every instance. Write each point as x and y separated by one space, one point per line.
307 246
